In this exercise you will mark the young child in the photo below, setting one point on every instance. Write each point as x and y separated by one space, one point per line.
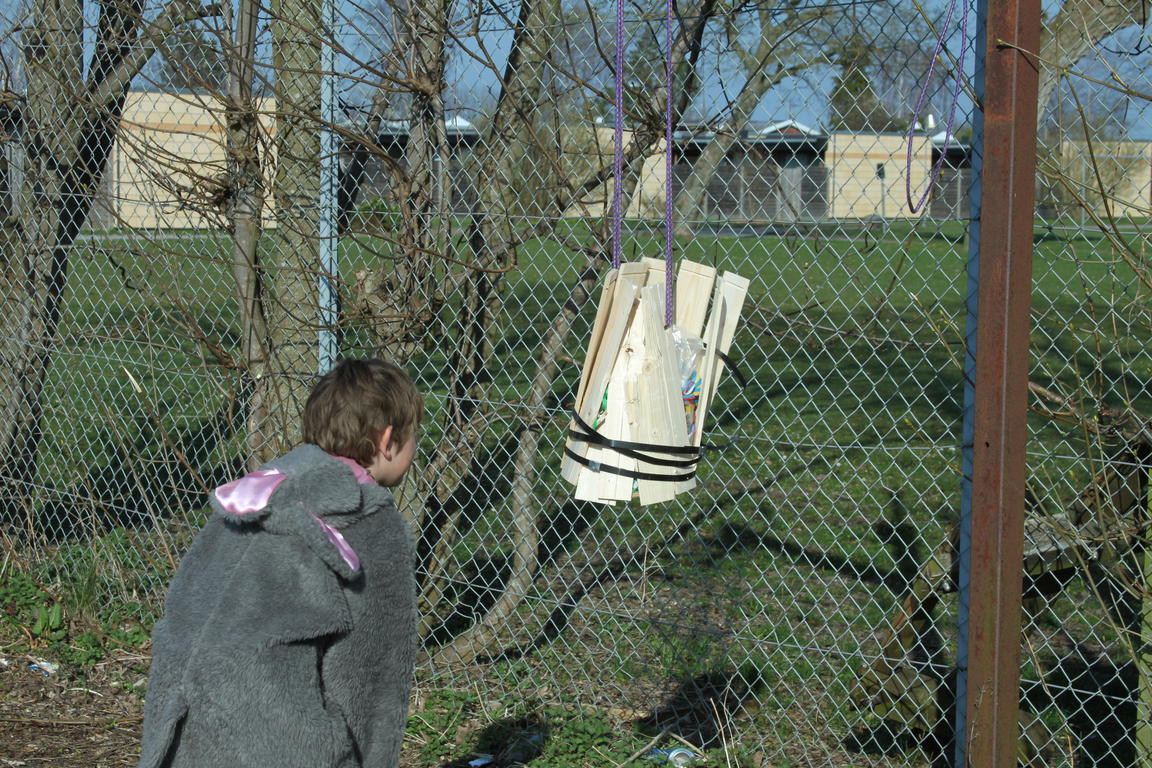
289 632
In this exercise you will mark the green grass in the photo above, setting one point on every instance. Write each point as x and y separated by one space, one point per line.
843 469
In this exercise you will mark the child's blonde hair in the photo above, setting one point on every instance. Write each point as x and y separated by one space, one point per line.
351 406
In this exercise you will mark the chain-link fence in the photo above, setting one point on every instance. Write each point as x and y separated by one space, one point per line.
182 185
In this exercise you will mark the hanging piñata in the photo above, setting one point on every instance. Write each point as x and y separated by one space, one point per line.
646 386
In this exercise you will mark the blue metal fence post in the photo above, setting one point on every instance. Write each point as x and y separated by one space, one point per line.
329 185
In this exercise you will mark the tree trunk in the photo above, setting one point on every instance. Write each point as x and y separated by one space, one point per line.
779 54
490 248
35 267
242 123
66 139
521 503
289 274
424 199
352 176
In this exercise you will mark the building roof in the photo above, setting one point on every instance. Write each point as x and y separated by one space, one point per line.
454 125
785 127
767 132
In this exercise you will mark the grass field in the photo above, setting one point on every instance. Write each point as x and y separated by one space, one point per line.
739 618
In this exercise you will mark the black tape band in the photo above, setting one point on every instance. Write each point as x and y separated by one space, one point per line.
582 437
597 466
588 434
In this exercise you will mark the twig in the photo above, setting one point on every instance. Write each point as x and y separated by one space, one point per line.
636 755
723 734
40 721
1069 72
685 742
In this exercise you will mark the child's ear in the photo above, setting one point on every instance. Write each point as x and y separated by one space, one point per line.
384 444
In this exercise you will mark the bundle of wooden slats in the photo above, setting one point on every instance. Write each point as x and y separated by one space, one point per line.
638 419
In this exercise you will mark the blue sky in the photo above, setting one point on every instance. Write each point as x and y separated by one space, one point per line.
802 98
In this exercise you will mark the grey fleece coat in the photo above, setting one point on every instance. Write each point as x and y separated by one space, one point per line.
278 648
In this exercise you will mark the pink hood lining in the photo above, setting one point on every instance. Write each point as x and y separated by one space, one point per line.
252 493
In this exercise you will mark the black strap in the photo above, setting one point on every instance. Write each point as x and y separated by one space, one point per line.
588 434
730 364
626 448
597 466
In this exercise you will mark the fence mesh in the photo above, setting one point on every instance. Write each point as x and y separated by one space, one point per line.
160 190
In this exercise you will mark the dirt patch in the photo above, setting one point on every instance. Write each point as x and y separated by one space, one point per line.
66 720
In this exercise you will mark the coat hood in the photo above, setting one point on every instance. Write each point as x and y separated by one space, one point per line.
306 493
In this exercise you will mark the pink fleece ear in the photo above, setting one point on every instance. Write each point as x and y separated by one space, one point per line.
251 492
342 546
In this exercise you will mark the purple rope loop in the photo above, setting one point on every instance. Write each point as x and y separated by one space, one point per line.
618 156
618 140
669 270
950 122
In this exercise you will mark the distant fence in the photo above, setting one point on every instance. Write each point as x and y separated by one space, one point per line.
776 175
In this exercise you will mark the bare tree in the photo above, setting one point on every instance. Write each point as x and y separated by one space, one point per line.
782 45
246 194
289 276
1076 31
68 118
854 104
895 57
521 145
1081 99
526 183
193 59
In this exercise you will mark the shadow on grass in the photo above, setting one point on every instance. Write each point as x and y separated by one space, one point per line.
507 742
893 737
486 484
1097 697
701 709
560 616
896 533
155 470
482 579
1094 696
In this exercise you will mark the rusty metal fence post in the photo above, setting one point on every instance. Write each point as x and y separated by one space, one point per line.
995 422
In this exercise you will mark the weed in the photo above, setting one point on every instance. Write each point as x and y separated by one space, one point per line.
84 650
19 597
68 630
48 623
433 730
24 604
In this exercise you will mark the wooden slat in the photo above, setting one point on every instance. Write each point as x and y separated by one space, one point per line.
608 487
624 401
603 312
694 285
570 469
727 303
661 412
656 272
619 314
693 289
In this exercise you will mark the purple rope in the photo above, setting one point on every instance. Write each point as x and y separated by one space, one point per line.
669 297
950 122
618 140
